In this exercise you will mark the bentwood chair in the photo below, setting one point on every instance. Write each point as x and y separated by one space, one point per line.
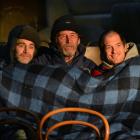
49 130
18 119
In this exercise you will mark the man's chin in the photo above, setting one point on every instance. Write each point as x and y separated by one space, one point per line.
116 62
68 54
24 61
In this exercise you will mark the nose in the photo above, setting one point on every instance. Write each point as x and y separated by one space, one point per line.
67 39
113 50
25 49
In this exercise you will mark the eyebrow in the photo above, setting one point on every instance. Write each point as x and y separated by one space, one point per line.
20 42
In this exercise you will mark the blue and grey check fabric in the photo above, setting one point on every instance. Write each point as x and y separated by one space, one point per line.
44 88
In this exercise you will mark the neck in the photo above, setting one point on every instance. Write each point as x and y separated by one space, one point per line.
109 65
68 59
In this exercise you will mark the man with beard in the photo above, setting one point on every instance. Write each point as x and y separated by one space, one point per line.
65 48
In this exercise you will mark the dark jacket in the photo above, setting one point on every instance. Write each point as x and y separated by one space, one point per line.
52 56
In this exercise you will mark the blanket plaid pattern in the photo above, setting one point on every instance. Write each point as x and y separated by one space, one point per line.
44 88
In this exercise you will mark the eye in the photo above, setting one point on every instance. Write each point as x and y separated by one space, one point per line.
62 36
108 47
20 45
31 46
73 35
119 45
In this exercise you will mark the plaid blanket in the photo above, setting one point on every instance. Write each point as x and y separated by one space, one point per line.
44 88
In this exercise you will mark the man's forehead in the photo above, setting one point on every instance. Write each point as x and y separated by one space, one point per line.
67 31
113 34
20 40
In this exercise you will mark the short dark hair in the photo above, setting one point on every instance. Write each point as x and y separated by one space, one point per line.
102 45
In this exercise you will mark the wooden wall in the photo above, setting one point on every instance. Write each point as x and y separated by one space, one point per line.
14 12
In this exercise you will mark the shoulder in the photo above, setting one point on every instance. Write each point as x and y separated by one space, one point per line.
132 50
42 50
43 55
88 63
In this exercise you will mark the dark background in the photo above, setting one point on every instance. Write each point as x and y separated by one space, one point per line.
94 16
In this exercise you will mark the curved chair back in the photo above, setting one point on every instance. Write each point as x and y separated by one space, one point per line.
19 119
69 122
